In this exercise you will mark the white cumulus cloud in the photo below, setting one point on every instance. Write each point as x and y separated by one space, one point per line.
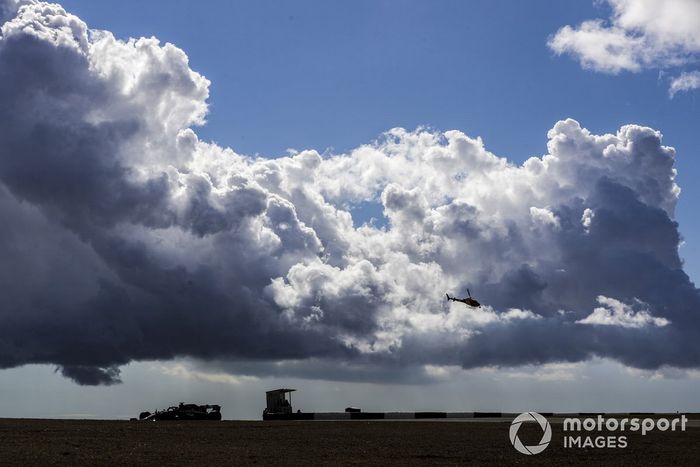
639 34
686 81
616 313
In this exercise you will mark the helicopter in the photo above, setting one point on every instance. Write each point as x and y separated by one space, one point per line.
469 301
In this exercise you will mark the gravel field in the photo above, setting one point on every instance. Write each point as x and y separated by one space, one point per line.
78 442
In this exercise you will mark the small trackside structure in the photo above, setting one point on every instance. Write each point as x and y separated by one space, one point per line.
184 412
278 402
279 406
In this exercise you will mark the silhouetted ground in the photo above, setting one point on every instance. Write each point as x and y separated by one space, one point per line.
50 442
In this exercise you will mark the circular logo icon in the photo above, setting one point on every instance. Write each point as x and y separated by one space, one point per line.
546 433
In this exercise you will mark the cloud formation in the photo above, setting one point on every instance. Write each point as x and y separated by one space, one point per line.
686 81
640 34
615 313
127 238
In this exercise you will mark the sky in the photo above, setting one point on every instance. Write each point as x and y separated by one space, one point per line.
280 196
332 76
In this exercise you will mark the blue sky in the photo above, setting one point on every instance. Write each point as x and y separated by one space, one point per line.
335 75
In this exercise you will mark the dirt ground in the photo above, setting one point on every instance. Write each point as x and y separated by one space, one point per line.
69 442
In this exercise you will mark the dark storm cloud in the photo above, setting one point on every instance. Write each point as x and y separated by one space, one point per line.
126 238
92 376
